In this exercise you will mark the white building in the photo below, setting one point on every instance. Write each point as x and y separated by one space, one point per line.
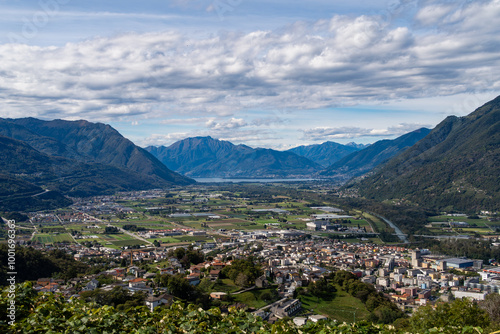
469 294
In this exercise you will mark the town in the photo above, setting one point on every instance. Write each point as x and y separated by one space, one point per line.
138 241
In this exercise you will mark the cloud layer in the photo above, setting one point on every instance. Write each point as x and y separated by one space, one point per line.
447 48
322 134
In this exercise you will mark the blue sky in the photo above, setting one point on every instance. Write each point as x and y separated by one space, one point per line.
265 73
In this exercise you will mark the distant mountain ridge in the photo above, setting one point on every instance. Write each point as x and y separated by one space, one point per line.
358 146
455 167
365 160
78 158
68 176
326 153
88 142
209 157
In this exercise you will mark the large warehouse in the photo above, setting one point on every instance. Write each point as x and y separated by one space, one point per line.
459 263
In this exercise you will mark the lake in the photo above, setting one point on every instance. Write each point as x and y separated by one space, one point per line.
221 180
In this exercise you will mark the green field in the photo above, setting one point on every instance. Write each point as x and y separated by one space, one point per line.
379 225
165 240
476 226
183 238
343 307
113 240
118 236
148 225
47 238
226 285
82 227
121 239
358 240
478 222
229 224
252 298
133 242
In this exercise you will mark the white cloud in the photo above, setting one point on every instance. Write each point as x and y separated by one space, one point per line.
340 62
433 14
185 121
162 140
325 133
236 136
233 123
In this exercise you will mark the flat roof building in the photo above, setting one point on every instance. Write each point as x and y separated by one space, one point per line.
459 263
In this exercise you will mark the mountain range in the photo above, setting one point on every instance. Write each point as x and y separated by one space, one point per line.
363 161
75 158
326 153
455 167
205 157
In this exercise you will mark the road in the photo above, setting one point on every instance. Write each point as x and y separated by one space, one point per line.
241 291
35 231
132 234
44 192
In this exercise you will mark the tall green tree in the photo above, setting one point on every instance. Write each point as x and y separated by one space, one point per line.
460 313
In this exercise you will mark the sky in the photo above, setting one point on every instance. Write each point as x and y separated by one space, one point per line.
273 74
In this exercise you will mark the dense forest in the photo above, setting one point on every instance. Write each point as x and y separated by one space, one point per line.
32 264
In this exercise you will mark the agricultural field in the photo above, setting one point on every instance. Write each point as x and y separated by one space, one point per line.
183 239
148 224
82 227
47 238
360 240
236 215
120 240
444 218
477 227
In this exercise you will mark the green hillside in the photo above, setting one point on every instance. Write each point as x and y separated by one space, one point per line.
457 166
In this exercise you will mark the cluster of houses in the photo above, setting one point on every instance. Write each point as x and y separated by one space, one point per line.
409 277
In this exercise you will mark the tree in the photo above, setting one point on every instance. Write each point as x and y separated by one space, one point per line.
459 313
245 266
242 280
386 314
32 264
491 305
117 297
179 253
111 229
177 286
322 289
266 296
